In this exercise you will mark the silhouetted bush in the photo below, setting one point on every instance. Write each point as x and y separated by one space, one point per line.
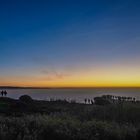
26 99
101 101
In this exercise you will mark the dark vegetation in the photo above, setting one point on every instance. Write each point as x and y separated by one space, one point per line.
104 118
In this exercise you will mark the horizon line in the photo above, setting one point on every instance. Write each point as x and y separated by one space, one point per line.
36 87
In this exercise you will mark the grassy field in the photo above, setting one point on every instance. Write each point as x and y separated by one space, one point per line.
27 119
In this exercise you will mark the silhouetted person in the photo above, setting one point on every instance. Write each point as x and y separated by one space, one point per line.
85 100
5 92
134 99
92 102
2 92
88 101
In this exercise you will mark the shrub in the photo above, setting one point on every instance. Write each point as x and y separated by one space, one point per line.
26 99
101 101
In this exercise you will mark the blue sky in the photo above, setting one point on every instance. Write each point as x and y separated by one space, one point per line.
67 37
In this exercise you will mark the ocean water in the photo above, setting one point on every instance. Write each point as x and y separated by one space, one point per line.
77 94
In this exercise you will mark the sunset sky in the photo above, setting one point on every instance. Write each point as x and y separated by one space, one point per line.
69 43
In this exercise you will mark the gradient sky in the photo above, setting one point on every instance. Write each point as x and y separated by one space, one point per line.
70 43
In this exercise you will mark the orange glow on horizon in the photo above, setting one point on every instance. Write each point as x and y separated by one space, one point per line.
115 76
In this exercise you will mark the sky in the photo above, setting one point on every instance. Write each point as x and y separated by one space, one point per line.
70 43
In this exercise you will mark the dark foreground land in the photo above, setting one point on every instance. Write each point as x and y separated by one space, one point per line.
106 119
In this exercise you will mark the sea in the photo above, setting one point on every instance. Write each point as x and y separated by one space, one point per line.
72 94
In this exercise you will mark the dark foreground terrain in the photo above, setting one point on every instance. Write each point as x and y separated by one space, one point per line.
108 118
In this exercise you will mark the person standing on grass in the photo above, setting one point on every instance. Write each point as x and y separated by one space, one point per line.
5 92
2 93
